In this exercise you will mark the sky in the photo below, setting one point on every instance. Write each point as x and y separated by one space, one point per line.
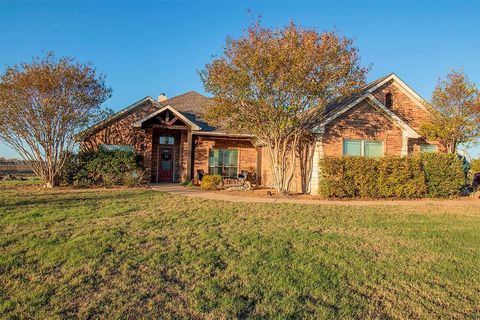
148 48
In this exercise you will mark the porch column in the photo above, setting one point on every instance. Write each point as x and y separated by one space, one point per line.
147 155
317 155
404 151
189 155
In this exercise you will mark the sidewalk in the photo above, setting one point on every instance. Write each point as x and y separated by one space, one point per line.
178 189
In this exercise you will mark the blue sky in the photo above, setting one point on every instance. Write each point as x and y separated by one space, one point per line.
146 48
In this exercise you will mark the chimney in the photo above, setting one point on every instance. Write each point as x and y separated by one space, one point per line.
162 97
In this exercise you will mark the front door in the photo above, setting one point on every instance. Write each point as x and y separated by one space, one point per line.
165 164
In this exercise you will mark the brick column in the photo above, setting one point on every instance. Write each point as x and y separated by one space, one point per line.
189 155
147 153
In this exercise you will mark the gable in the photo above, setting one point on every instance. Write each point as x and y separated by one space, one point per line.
124 118
364 120
405 105
168 117
392 117
409 110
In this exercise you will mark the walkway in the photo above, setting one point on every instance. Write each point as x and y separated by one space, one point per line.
178 189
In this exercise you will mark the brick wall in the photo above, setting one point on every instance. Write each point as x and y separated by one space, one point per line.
121 132
267 175
362 122
409 110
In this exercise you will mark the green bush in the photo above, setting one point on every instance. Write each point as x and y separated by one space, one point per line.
134 178
426 175
475 166
444 174
400 178
210 182
106 168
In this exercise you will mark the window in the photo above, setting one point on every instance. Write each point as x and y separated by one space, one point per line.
352 147
114 147
389 100
166 140
428 148
223 162
364 148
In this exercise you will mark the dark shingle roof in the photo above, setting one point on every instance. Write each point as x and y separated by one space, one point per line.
192 105
363 90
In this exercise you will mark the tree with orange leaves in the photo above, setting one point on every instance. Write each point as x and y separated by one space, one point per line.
275 84
44 105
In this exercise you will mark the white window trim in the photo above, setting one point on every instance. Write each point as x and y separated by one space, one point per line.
430 145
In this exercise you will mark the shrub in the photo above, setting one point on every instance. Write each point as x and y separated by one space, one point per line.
210 182
444 174
475 166
426 175
400 178
134 178
106 168
108 179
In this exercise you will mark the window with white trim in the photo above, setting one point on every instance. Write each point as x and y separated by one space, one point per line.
362 148
223 162
428 148
115 147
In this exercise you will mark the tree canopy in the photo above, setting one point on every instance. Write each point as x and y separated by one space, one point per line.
44 105
456 120
276 83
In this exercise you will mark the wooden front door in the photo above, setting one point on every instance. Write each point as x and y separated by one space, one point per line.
165 164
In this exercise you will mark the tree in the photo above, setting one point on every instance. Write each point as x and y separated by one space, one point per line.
44 105
275 85
456 120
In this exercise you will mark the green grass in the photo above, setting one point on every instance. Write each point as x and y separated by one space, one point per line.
145 254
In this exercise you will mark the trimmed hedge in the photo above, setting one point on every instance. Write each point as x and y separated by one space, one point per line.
425 175
444 174
102 167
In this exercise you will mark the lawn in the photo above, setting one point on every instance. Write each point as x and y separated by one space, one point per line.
137 253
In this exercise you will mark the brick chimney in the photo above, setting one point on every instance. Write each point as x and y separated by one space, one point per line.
162 97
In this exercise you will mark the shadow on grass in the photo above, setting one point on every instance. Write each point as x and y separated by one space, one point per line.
68 200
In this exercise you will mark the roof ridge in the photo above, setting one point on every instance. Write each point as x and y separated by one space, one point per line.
181 95
119 113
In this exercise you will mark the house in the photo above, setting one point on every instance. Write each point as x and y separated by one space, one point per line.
175 143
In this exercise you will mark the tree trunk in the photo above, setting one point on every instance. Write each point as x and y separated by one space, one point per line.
305 155
282 164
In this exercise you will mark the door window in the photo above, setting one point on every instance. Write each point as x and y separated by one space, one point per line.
166 160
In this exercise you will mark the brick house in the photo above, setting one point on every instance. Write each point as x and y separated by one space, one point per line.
175 143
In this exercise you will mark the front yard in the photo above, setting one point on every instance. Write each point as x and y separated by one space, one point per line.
137 253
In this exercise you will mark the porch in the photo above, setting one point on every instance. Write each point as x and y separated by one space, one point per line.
177 150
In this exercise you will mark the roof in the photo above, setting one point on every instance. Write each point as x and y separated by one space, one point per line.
335 110
193 106
119 114
363 90
178 114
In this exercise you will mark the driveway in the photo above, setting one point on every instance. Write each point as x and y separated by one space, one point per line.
245 196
